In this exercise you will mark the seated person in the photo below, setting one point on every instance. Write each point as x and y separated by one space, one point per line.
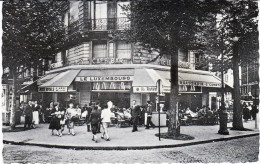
126 113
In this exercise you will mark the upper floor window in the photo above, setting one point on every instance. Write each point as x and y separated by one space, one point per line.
99 49
123 50
183 55
74 11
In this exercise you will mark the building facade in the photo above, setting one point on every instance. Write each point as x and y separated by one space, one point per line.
250 81
97 68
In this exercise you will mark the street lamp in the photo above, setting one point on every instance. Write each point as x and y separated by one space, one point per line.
223 116
159 91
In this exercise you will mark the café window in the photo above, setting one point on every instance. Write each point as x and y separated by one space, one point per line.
123 50
100 50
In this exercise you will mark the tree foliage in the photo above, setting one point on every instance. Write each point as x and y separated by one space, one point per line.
32 31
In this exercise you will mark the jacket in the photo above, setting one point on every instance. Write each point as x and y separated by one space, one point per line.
149 109
94 117
136 112
106 115
28 111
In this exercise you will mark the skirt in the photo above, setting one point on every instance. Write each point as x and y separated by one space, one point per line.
55 123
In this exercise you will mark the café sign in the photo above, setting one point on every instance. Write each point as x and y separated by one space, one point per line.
200 83
103 78
53 89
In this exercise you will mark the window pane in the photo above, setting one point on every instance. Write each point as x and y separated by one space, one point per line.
100 50
123 50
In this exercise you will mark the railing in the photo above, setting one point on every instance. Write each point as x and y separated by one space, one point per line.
98 25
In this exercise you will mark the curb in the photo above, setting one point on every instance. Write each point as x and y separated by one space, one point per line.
129 147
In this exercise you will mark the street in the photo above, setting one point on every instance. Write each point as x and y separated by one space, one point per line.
235 151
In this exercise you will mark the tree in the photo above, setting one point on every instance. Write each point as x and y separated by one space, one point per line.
168 26
32 31
238 19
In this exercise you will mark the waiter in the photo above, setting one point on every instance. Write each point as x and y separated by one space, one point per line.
149 112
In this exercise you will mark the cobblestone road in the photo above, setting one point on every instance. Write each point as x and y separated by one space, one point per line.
234 151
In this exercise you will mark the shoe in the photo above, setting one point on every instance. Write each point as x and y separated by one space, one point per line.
73 134
69 133
108 139
102 137
96 141
93 139
60 135
147 128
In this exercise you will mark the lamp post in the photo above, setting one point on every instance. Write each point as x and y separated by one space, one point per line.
158 85
223 116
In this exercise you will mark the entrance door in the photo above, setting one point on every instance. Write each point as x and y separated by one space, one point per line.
122 100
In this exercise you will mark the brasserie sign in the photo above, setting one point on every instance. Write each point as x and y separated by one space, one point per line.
103 78
200 83
53 89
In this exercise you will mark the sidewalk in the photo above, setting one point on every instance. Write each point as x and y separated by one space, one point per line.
123 138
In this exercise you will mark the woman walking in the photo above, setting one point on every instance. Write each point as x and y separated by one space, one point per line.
71 118
55 120
94 120
105 117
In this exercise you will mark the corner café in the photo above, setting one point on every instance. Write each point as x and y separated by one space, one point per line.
124 83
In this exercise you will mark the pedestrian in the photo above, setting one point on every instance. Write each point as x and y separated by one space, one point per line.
254 111
99 109
71 118
105 117
149 112
246 112
28 113
136 114
36 111
55 120
94 120
89 110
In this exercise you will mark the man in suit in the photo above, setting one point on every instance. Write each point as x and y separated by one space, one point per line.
136 114
149 112
28 113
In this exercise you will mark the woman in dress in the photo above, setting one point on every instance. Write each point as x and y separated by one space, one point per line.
71 118
94 119
55 120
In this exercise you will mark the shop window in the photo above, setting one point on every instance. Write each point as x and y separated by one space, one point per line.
123 50
99 50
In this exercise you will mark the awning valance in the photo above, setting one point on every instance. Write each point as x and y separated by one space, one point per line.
105 75
60 83
145 80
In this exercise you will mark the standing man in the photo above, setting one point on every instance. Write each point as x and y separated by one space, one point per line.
28 113
105 119
136 114
149 112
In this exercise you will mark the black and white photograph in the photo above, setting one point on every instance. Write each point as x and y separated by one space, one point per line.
129 81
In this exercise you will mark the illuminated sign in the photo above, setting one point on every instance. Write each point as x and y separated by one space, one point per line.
104 78
53 89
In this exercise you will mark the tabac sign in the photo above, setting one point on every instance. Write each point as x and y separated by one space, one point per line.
151 89
53 89
103 78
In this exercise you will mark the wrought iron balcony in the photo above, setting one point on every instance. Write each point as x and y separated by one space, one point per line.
84 24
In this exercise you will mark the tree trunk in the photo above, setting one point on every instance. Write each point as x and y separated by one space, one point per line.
237 110
173 124
13 103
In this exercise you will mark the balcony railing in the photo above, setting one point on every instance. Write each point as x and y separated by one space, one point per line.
84 24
